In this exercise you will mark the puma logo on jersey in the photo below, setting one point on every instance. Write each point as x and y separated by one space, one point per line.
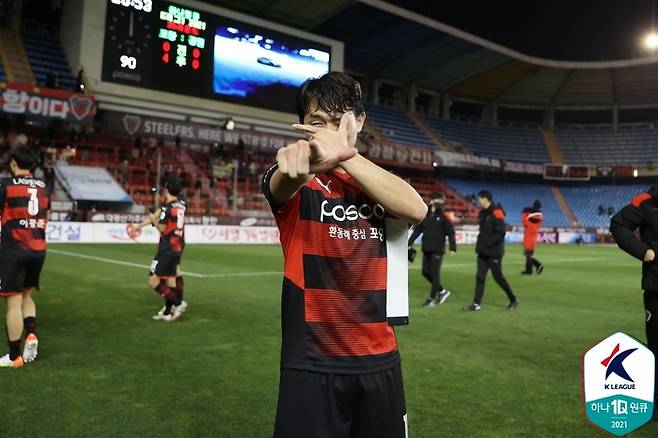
326 187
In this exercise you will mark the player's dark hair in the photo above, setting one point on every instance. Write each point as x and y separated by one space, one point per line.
26 157
437 195
485 194
536 205
173 186
334 93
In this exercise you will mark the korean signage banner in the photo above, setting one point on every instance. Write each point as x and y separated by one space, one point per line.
46 103
189 132
95 232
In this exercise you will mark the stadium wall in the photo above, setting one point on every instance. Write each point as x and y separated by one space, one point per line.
105 232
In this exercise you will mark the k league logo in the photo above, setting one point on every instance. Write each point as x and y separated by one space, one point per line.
618 380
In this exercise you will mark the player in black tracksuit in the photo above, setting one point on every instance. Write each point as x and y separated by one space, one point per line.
490 247
642 213
435 228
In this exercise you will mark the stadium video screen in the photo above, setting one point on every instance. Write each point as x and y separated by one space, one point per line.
164 46
257 68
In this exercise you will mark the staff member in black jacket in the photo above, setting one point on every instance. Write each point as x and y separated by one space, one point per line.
642 213
435 228
490 247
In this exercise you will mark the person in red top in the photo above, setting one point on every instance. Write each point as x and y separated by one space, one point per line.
532 218
340 364
165 275
24 206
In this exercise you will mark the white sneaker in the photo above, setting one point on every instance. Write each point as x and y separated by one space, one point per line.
160 316
30 348
178 310
443 296
5 362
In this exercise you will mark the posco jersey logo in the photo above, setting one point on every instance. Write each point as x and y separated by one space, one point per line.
618 379
341 213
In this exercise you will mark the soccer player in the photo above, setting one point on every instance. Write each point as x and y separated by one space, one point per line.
532 218
165 275
642 213
490 247
435 228
340 365
24 208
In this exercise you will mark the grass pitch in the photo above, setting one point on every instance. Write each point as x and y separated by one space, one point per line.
105 369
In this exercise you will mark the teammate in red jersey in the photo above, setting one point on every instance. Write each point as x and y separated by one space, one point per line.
165 275
532 218
340 365
24 208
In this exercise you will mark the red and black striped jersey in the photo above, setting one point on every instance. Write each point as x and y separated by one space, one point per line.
335 278
24 208
172 216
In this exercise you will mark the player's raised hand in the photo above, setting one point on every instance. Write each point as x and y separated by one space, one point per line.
307 157
328 146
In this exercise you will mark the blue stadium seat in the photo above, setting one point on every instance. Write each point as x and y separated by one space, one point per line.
606 146
504 143
584 200
514 197
395 125
46 56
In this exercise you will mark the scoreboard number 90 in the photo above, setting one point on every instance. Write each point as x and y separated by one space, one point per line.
129 62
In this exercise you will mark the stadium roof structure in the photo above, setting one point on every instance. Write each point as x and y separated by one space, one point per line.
392 43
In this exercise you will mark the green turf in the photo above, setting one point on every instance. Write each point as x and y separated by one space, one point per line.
106 370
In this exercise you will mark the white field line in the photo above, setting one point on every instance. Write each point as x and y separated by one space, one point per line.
266 273
140 266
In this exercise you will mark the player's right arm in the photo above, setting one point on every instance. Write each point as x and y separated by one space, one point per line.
151 220
450 232
298 162
417 230
623 226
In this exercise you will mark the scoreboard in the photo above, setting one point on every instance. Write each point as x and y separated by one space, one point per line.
161 45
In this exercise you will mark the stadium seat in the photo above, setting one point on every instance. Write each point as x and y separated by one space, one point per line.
46 56
504 143
514 197
396 126
585 200
607 146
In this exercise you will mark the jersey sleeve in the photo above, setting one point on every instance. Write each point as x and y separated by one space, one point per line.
499 227
165 212
417 230
450 232
277 209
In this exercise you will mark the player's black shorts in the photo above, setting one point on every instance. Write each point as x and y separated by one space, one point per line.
319 405
164 264
528 252
19 271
